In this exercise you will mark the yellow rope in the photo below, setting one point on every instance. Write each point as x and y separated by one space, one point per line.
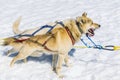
80 47
116 47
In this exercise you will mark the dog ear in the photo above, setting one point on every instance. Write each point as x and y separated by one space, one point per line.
84 14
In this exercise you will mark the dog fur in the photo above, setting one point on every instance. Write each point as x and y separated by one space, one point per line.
58 40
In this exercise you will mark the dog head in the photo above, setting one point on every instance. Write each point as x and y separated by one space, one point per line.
87 25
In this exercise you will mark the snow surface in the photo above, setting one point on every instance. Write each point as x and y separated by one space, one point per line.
87 64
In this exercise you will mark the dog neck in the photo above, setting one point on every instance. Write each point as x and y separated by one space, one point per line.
79 27
73 28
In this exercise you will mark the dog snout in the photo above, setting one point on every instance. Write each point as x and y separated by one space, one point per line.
99 25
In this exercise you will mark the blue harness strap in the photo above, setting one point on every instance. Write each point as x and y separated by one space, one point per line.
45 26
100 47
95 45
85 43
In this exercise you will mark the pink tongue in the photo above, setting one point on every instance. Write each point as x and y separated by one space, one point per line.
91 32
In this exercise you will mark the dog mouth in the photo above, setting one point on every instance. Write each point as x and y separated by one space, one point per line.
90 32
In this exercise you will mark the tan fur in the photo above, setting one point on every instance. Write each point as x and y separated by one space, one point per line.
15 26
58 41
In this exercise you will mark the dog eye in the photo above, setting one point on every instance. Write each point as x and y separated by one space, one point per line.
83 21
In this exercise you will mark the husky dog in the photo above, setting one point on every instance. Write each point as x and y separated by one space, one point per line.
58 41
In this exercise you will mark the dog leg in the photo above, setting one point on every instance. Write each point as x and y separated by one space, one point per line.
25 60
59 64
9 52
54 61
20 56
23 54
36 54
67 61
14 60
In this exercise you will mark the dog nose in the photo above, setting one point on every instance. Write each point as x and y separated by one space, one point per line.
99 25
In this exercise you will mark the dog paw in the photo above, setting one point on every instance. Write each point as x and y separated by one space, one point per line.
53 69
61 76
11 65
69 65
25 60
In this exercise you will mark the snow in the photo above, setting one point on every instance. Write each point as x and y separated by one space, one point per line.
87 64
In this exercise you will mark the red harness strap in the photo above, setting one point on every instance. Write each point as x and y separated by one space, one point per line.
21 40
45 47
70 35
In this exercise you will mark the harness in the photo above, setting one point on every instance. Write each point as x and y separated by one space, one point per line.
70 35
100 47
45 26
44 44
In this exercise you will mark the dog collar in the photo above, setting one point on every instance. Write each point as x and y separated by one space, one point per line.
78 25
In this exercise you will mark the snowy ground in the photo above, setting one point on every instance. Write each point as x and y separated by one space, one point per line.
88 64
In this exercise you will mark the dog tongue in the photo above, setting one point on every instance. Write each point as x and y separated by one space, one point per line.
90 32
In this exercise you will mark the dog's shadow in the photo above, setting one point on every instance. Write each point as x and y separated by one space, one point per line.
42 58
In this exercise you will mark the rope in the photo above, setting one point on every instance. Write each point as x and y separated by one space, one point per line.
100 47
95 45
108 47
85 43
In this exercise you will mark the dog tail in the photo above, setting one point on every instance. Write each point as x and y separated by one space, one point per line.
16 25
6 41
